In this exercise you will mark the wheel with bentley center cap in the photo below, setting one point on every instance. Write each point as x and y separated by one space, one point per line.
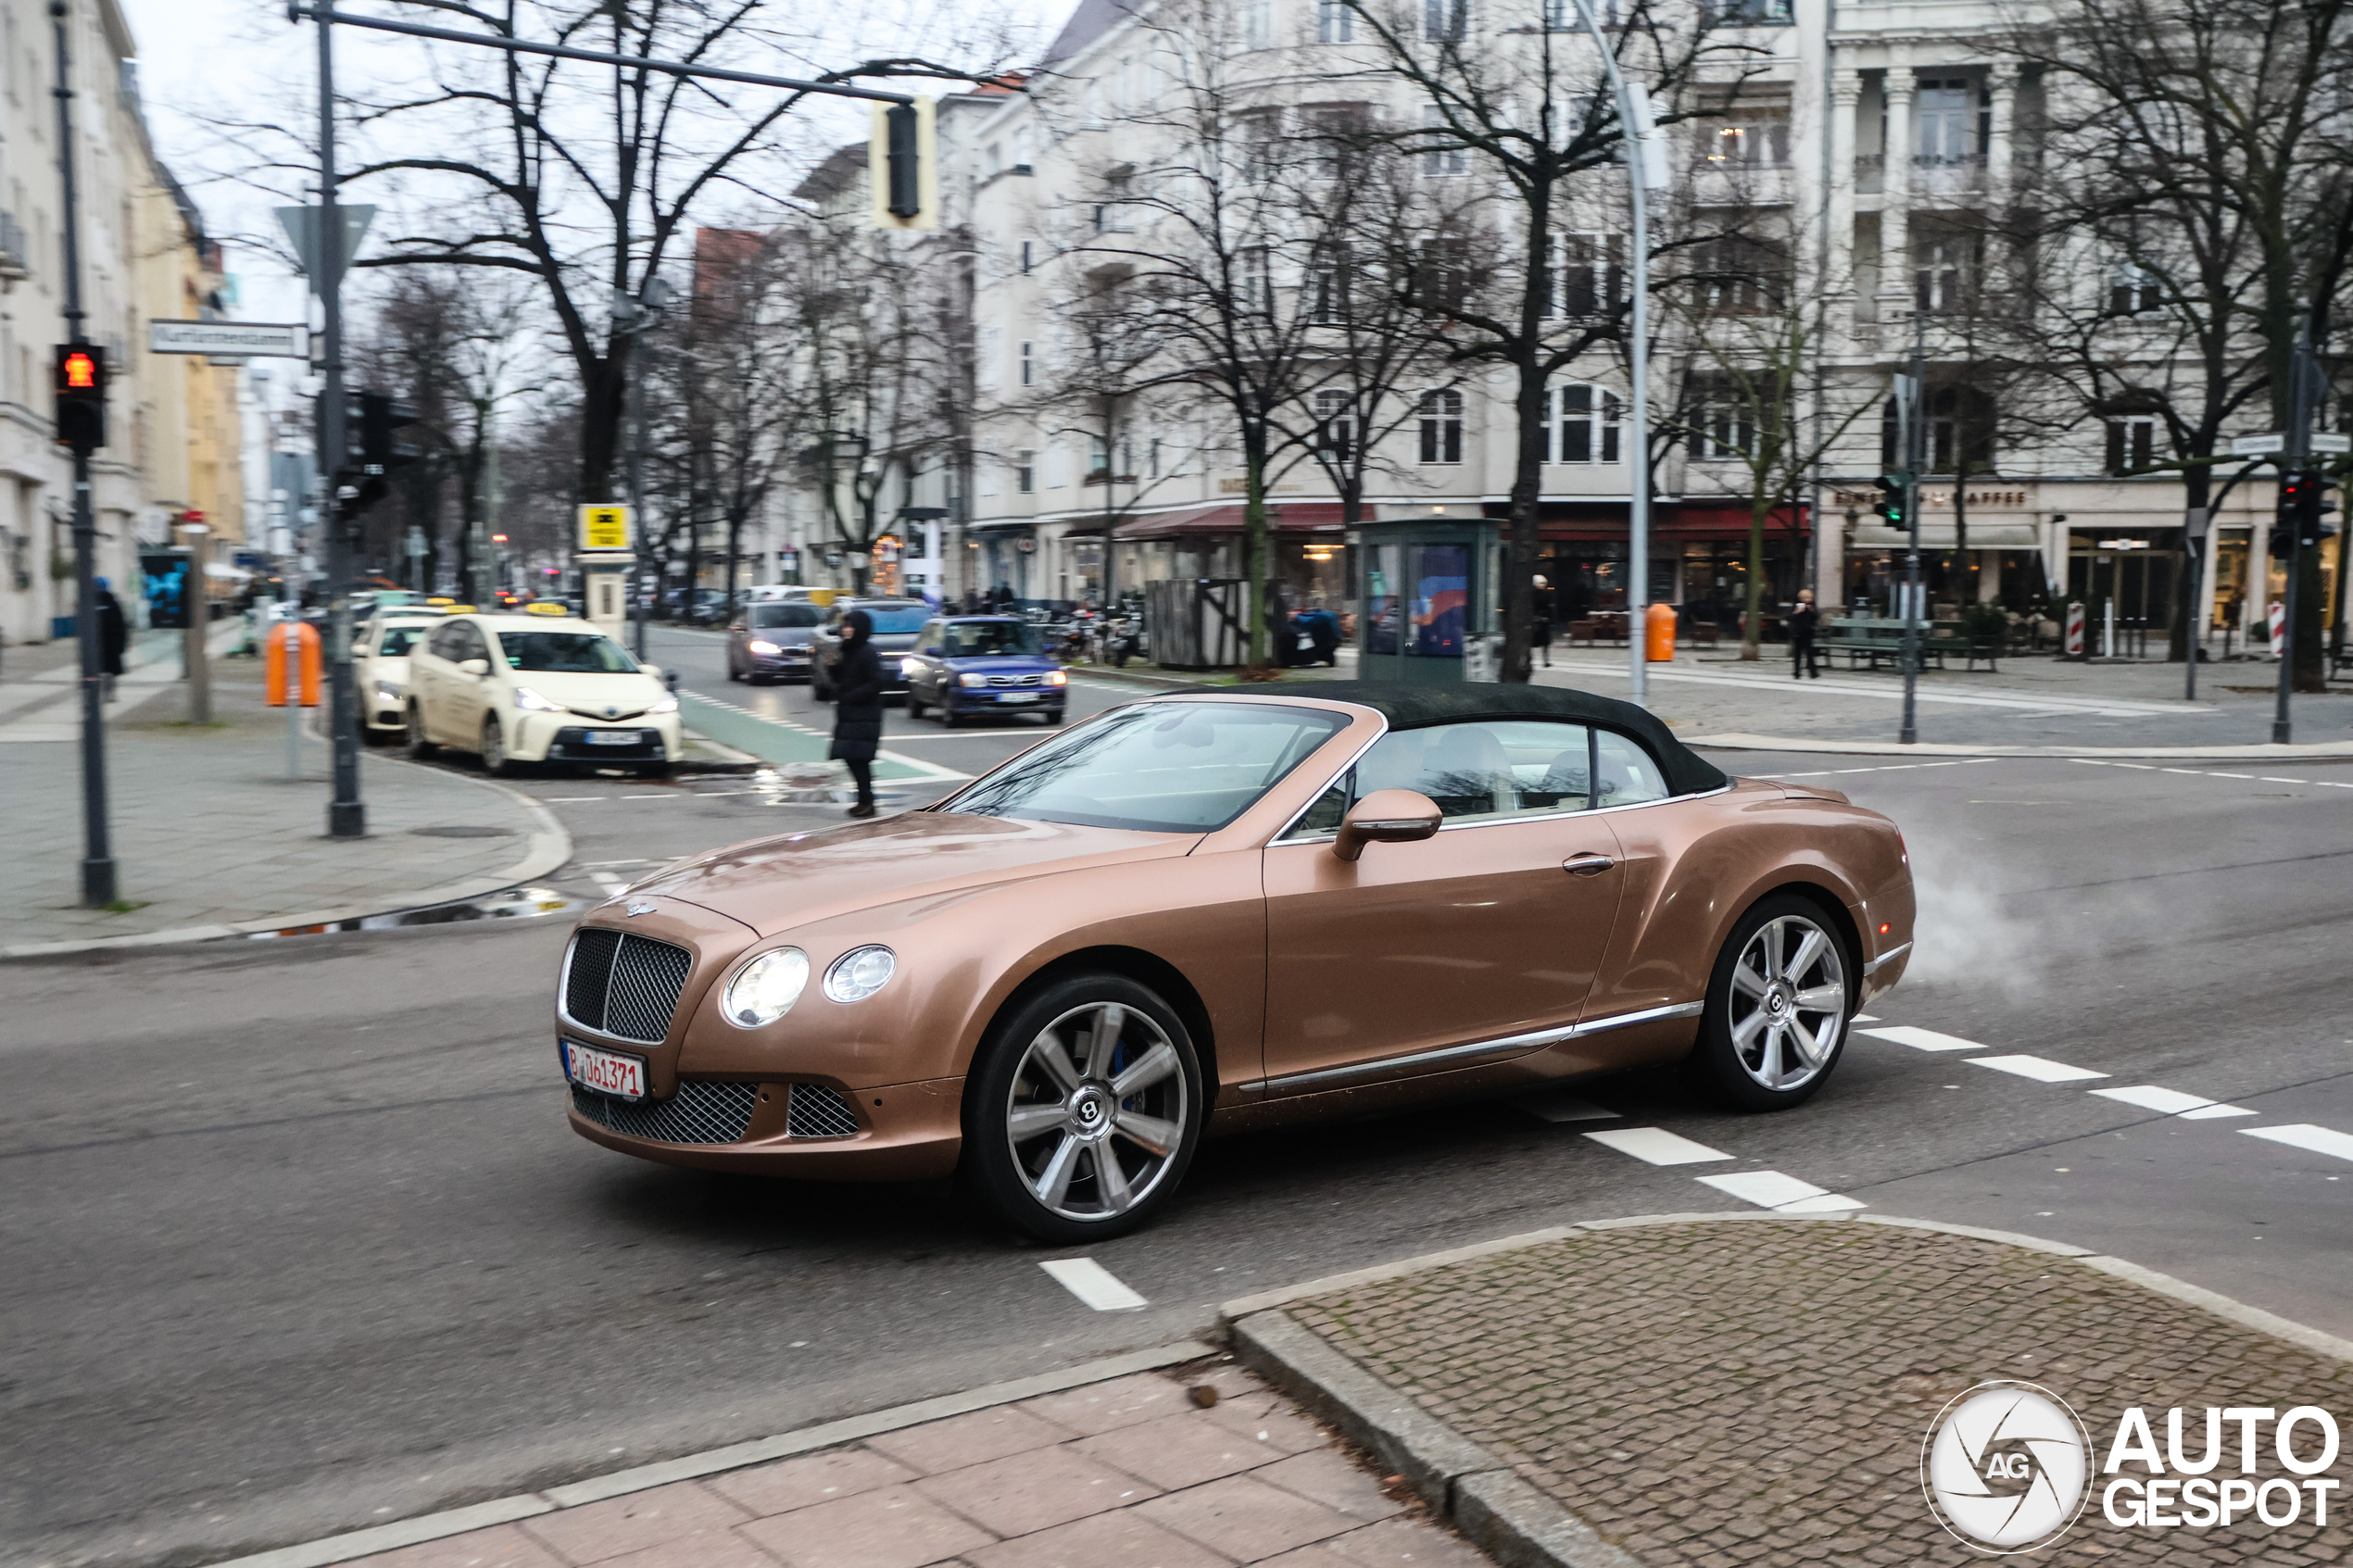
1083 1111
1778 1006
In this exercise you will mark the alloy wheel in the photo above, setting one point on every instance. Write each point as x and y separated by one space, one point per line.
1788 1002
1097 1111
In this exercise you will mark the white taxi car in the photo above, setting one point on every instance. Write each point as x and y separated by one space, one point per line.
538 688
380 648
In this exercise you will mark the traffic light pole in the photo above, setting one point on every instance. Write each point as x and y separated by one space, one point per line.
347 816
97 850
2298 438
1915 460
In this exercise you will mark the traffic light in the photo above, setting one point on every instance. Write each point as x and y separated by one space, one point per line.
370 450
903 168
2303 509
81 388
1895 491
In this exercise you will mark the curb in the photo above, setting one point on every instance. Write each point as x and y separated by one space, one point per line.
1503 1514
712 1461
2315 751
549 847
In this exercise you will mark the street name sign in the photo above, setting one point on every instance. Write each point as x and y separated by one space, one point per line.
2258 445
2334 442
605 527
230 340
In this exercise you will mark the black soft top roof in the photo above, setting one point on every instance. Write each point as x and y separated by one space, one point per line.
1412 707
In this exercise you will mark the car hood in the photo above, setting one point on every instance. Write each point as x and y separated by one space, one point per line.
624 694
774 885
1002 663
783 637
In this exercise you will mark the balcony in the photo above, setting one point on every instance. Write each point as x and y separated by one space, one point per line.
1871 169
1936 178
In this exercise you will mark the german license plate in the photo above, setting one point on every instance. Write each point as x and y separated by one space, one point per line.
1017 696
608 1072
614 738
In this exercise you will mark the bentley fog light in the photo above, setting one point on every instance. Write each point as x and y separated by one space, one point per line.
765 989
859 972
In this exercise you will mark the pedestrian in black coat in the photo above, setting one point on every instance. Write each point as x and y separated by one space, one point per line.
114 635
858 706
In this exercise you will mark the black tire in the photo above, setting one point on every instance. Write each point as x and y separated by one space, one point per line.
419 748
914 706
654 769
1752 1054
495 761
733 673
1053 716
1007 1172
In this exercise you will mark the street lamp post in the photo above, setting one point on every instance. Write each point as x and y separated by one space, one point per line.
1645 171
346 817
97 850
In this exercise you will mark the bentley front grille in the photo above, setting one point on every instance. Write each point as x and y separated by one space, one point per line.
817 1111
622 984
701 1111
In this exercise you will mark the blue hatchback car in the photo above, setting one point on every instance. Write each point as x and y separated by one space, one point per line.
963 665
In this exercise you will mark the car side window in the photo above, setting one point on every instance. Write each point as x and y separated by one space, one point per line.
445 640
1485 771
1624 773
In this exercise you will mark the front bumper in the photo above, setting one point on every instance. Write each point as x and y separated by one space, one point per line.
780 664
560 737
906 1132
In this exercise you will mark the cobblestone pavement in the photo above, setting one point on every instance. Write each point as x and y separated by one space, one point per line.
1755 1394
1130 1473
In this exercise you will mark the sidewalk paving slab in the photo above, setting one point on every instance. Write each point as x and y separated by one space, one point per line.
1673 1392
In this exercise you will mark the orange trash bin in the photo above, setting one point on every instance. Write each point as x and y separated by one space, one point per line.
1658 634
304 675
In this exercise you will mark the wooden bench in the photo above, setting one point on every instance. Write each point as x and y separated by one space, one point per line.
1867 642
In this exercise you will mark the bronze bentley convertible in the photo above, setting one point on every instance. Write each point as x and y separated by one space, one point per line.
1206 912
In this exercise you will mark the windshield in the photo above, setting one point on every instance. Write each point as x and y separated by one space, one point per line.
784 615
975 639
578 653
896 620
398 640
1156 767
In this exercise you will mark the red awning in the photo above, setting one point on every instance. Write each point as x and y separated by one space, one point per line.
1225 520
1671 521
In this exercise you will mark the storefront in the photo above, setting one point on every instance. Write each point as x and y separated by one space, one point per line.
1006 551
1699 556
1308 561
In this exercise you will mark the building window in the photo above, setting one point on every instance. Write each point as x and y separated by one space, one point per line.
1258 24
1028 363
1025 472
1335 425
1723 420
1328 286
1152 459
1589 275
1445 21
1441 159
1255 279
1950 121
1960 431
1335 23
1441 413
1748 138
2131 290
1741 276
1941 266
2132 443
1584 426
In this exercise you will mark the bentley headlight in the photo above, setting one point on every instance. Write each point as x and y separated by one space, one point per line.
859 972
765 989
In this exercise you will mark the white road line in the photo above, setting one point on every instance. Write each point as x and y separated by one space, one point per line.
2041 1069
1866 1018
2136 767
2304 1136
1093 1284
1657 1145
575 800
1770 1189
1565 1108
2266 778
2149 1097
2192 771
2230 775
607 881
1921 1039
2209 1112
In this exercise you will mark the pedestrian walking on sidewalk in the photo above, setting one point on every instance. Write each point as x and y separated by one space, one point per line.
1803 623
113 638
1546 608
858 706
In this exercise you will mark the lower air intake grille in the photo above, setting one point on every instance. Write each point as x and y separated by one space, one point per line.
622 984
817 1111
700 1112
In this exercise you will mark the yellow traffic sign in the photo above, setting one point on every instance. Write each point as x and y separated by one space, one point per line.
605 528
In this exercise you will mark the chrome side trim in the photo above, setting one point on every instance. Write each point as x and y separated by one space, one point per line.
1509 819
1888 957
1508 1045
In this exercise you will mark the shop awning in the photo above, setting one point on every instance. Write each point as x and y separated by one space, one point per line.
1936 533
1224 519
1671 521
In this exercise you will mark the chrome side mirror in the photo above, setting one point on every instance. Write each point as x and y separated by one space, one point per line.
1387 816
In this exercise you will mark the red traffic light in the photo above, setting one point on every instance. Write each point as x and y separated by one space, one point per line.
78 372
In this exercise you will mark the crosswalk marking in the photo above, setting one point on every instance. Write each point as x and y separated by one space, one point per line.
1093 1284
2041 1069
1923 1039
1787 1195
2304 1136
1657 1145
2174 1102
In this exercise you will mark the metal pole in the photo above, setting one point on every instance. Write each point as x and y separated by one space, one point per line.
346 817
2299 420
1915 460
637 474
195 662
2197 523
98 852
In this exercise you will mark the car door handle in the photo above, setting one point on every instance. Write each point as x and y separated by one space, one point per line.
1588 863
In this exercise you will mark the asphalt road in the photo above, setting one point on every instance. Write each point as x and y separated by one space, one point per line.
297 1239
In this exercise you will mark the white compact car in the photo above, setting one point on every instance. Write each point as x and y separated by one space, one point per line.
538 688
380 649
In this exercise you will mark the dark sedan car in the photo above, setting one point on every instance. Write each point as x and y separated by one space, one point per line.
971 664
772 642
896 623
